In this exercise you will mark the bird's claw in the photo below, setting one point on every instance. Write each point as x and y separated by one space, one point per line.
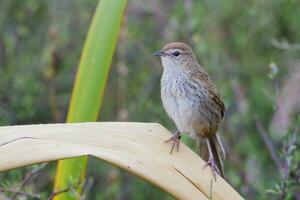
214 168
176 141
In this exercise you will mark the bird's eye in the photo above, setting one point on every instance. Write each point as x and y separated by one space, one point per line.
176 53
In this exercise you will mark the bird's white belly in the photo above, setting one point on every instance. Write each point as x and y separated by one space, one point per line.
180 100
182 111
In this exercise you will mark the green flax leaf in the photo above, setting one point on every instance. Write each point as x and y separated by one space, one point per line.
89 86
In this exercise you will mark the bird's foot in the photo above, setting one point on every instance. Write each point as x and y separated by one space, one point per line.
175 141
214 168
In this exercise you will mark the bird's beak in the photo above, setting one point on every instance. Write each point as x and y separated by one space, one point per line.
159 53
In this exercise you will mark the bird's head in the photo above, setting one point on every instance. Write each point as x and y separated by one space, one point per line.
176 54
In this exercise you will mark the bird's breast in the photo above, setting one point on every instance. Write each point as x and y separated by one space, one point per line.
180 100
188 104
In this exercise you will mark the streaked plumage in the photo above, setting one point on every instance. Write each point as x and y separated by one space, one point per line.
188 94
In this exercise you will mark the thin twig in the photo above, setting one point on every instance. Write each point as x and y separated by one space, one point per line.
264 135
288 151
53 194
23 193
31 174
70 188
28 177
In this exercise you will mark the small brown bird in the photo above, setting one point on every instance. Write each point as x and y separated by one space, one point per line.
190 99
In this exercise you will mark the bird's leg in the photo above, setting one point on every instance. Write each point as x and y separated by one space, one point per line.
176 141
221 146
211 160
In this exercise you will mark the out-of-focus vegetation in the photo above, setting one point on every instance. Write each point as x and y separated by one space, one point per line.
241 43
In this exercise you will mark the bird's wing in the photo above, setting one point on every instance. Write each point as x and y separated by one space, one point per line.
218 102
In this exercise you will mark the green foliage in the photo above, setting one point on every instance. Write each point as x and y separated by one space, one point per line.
90 85
40 45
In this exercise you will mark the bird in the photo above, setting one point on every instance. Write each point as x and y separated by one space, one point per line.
191 100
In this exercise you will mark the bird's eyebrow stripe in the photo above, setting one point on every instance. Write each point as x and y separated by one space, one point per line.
177 47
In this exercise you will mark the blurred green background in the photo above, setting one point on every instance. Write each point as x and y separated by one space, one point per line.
241 44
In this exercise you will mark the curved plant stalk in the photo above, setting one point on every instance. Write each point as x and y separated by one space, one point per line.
135 147
90 84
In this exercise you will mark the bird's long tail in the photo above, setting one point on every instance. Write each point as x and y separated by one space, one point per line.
217 150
